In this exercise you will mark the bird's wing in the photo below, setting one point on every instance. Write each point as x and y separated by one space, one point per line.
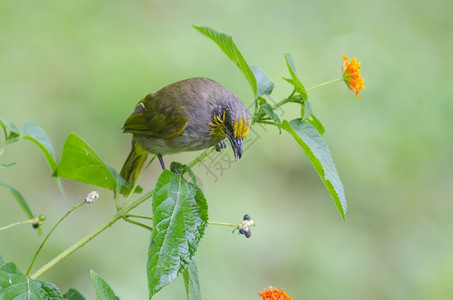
156 117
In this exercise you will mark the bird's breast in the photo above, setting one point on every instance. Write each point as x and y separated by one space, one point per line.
192 139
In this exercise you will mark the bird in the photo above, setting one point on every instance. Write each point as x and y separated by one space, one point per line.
187 115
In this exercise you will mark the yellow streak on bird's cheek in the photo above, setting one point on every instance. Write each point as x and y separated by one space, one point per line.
218 127
241 128
246 129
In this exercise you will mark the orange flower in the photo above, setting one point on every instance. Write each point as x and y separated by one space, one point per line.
274 294
351 75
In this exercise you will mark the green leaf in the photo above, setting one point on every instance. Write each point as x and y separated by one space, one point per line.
15 285
180 216
294 79
11 132
73 294
80 162
19 198
3 124
5 166
305 109
1 261
226 44
183 169
191 282
264 85
314 147
38 136
316 123
122 185
102 289
271 113
21 201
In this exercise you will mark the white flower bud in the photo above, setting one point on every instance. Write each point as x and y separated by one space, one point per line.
91 196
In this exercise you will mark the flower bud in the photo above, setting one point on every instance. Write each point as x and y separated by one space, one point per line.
245 227
91 196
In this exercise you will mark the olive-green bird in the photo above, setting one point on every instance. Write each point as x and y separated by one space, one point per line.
187 115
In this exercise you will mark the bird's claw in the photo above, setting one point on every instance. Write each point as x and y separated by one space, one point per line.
220 146
177 171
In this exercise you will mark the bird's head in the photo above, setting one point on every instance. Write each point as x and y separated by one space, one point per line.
232 125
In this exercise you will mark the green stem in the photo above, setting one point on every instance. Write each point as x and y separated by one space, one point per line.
120 214
200 157
138 180
269 123
17 223
324 83
137 223
138 217
257 116
223 224
50 232
256 106
76 246
136 203
284 101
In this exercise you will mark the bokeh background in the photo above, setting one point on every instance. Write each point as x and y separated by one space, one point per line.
81 66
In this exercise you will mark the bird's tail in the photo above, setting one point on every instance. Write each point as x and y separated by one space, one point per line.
134 162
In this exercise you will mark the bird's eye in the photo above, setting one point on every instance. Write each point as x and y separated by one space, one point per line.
139 108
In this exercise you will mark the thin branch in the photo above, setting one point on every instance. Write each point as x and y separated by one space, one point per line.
17 223
137 223
50 232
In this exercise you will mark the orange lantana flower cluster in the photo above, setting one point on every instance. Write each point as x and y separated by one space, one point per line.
274 294
351 75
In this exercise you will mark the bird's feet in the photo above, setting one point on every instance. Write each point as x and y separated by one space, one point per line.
177 171
177 168
161 160
220 146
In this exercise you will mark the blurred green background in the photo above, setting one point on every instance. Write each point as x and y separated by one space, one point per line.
81 66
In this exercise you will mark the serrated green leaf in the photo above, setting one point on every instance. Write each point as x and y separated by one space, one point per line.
10 130
38 136
183 169
52 292
191 282
288 80
73 294
314 147
316 123
15 285
5 166
305 110
14 133
294 79
226 44
180 215
101 287
271 113
3 124
80 162
264 84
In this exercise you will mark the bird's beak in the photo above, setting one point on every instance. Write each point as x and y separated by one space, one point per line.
236 144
